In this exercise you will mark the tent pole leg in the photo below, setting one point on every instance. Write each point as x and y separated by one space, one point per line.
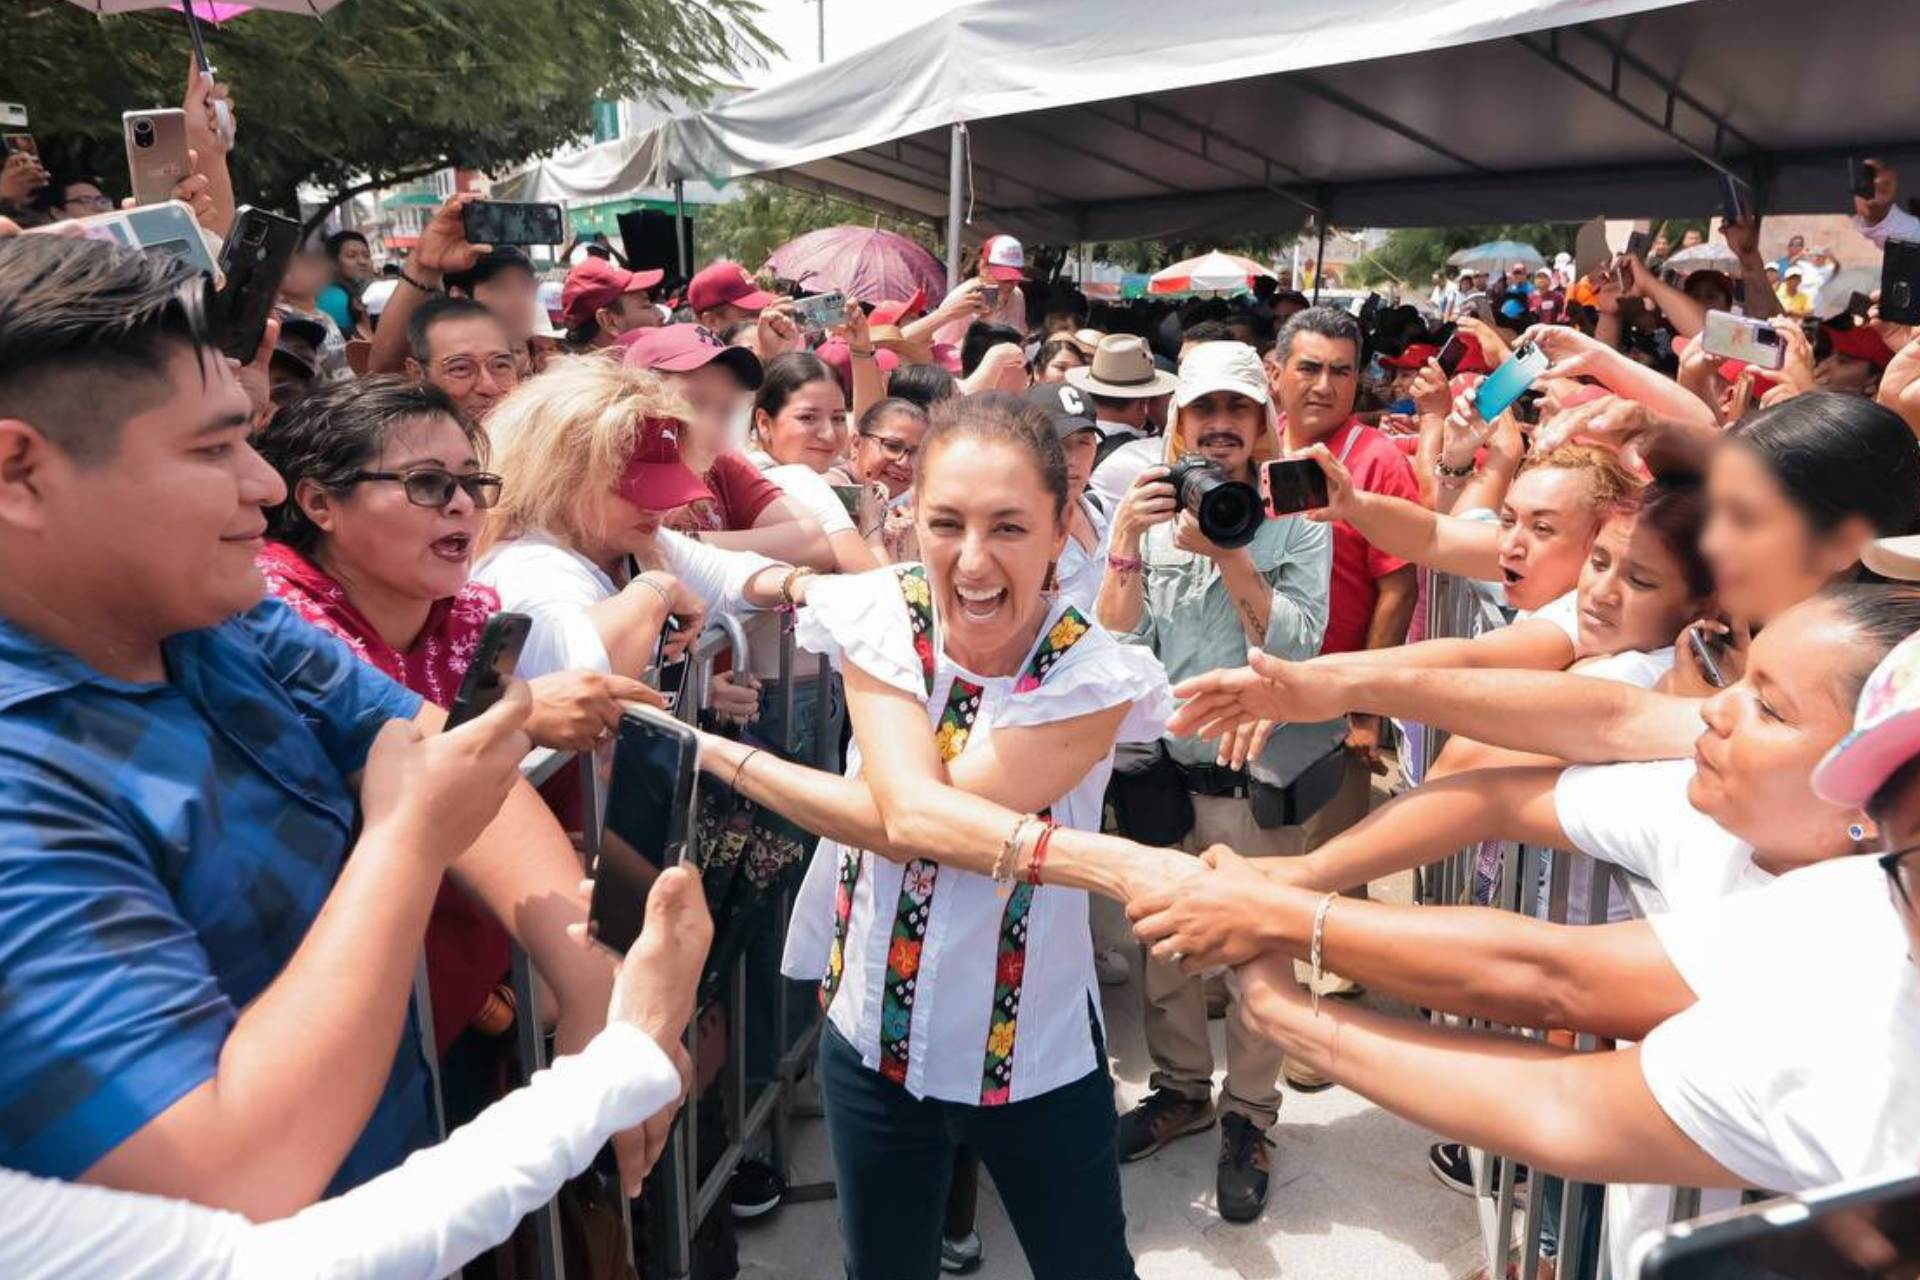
680 227
1320 258
956 179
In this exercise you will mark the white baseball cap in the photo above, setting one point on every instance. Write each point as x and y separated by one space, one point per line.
1006 259
1221 366
1886 731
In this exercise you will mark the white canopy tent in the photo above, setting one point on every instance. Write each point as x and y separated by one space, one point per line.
1082 120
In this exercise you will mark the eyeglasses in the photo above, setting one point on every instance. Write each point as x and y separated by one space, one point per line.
896 450
91 202
462 370
432 487
1891 863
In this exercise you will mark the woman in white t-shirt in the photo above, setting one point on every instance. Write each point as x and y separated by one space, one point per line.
1598 1116
949 932
591 453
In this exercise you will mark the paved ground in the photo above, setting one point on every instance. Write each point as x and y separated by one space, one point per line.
1351 1196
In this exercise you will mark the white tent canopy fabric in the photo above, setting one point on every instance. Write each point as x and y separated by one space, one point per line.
1110 119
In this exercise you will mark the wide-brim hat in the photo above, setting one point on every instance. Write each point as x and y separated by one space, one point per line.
1122 368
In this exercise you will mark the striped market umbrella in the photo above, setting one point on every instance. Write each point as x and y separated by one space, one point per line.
1213 272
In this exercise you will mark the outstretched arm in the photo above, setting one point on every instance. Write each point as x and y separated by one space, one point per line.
1586 1116
1610 980
1572 717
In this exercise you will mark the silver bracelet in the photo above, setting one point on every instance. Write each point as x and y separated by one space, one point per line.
1313 951
656 588
1002 872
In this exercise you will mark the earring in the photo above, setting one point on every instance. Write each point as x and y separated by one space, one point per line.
1856 832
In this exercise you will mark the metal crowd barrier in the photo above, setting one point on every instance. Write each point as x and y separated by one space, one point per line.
1542 883
769 1111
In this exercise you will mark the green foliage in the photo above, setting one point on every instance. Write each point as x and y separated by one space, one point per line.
379 89
749 229
1412 256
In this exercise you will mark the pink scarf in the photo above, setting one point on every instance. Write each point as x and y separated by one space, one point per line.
440 654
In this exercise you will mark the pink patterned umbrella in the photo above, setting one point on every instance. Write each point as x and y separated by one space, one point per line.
865 263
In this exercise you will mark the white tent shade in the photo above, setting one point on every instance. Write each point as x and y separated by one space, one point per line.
1106 119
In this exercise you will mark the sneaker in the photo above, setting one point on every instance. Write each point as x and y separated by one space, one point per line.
1449 1163
1305 1079
963 1256
1161 1116
1241 1188
1111 967
755 1189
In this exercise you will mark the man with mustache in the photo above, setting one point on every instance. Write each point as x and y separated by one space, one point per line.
1199 606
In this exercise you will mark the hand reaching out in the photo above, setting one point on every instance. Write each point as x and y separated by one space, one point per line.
434 794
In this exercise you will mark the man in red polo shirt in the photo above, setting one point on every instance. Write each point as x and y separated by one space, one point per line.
1316 373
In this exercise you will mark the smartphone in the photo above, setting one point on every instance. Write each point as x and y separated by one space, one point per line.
1861 178
818 311
649 818
168 228
13 144
1452 352
1637 245
499 222
850 495
1862 1230
994 292
1481 309
669 675
1293 485
1859 305
493 662
252 262
1707 651
1734 206
1900 282
13 115
1506 384
1753 342
156 152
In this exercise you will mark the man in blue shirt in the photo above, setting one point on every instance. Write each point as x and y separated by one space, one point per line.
201 994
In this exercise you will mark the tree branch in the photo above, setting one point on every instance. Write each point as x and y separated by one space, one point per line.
361 188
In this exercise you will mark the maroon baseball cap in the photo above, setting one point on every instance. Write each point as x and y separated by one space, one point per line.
726 282
597 283
682 348
656 479
1414 357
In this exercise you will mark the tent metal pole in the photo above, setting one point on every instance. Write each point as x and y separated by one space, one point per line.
1320 258
680 227
956 179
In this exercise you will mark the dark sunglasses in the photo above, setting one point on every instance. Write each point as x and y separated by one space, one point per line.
432 487
1891 863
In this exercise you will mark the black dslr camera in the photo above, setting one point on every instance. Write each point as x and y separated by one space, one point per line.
1227 511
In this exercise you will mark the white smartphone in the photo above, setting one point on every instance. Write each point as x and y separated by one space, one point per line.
157 159
167 228
1753 342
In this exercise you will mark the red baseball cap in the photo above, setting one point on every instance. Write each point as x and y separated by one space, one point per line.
1005 258
597 283
1730 371
1414 357
1475 360
682 348
655 478
899 312
726 282
1861 342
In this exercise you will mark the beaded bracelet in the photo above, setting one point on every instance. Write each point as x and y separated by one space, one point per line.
1125 564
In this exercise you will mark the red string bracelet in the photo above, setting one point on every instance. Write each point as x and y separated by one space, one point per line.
1039 852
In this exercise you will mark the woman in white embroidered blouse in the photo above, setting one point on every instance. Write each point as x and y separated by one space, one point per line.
593 447
951 930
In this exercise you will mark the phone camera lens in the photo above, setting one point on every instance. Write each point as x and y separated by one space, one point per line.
142 133
256 233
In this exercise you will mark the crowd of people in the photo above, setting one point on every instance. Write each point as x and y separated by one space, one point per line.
237 598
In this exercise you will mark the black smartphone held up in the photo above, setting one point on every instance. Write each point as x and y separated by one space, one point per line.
498 222
1734 204
1900 282
1707 651
1293 485
1854 1231
649 818
1452 353
669 673
493 663
252 262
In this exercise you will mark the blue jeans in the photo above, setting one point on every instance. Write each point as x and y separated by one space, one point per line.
1052 1159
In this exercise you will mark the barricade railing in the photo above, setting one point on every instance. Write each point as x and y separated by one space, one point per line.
688 1197
1560 886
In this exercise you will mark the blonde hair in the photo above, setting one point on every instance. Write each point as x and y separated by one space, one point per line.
565 435
1609 484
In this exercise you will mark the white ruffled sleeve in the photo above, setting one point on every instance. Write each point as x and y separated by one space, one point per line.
1097 673
862 618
